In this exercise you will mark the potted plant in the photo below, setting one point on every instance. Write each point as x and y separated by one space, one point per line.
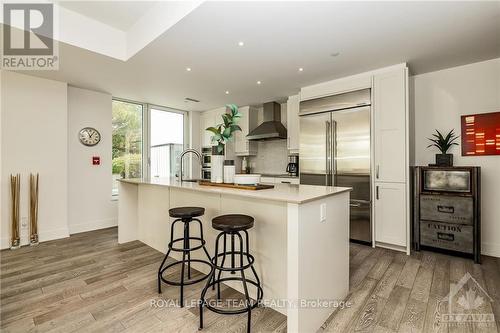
444 143
222 134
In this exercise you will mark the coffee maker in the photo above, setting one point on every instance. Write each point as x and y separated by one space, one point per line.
293 165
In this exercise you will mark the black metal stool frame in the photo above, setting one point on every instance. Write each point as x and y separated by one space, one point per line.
212 281
186 251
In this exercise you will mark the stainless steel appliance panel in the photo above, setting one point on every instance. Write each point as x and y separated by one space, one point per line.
335 150
315 149
351 133
359 219
360 185
348 100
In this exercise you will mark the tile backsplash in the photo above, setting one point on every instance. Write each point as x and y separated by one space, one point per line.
272 157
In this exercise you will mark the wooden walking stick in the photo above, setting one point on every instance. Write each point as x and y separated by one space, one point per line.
15 189
34 209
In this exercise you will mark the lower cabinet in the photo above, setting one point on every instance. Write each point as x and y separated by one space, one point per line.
390 213
279 180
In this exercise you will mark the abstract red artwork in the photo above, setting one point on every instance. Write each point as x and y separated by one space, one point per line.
481 134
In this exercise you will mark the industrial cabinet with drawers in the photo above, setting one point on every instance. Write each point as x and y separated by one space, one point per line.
446 210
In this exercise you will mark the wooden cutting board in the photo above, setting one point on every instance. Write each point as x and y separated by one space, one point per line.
237 186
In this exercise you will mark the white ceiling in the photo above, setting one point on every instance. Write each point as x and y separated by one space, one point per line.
121 15
279 38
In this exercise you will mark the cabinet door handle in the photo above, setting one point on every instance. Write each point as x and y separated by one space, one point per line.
285 182
376 192
377 172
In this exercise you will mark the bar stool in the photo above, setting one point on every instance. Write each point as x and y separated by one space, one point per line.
231 225
186 215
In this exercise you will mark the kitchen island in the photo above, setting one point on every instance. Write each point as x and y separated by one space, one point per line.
300 239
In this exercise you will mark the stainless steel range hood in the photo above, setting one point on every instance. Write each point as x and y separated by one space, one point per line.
271 128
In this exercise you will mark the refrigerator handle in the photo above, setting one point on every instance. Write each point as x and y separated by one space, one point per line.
376 192
327 159
377 172
334 148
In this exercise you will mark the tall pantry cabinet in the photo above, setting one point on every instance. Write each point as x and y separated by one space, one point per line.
391 158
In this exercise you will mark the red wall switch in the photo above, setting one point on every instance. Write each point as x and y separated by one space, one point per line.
96 160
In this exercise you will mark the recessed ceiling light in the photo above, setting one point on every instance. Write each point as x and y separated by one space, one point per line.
258 82
301 69
241 43
188 69
227 92
335 54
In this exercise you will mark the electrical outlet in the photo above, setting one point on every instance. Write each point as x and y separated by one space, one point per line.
322 212
24 222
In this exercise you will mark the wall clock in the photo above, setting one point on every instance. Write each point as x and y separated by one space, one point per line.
89 136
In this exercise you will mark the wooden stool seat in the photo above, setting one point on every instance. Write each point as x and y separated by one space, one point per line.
232 222
186 212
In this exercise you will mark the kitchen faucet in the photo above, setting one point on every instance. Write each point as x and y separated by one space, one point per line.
197 153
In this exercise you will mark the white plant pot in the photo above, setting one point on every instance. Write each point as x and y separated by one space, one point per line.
217 172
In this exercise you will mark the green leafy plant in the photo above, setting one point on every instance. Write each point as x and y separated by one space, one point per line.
443 143
222 133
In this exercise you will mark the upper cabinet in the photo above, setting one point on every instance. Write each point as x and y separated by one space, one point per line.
210 119
206 120
390 124
247 122
292 115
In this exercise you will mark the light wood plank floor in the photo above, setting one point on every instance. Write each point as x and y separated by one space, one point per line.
89 283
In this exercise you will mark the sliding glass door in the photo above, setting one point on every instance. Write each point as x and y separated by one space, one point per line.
147 141
127 155
167 128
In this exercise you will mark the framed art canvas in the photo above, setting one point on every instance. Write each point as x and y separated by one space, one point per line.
481 134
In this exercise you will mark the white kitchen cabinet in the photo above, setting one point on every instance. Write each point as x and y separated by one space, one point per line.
210 118
268 180
390 114
390 214
391 158
206 120
293 181
247 122
292 115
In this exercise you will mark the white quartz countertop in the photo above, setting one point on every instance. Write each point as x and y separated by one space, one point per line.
281 192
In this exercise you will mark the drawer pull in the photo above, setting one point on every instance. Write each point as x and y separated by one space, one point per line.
446 209
446 237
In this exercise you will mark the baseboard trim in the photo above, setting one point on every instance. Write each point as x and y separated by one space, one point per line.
44 236
93 225
391 246
490 249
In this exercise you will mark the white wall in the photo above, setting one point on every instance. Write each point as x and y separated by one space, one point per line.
440 98
35 139
89 187
194 142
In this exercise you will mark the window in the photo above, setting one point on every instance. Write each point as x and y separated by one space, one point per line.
166 141
145 133
127 141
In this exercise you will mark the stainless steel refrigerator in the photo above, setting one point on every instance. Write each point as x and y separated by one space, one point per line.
335 150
